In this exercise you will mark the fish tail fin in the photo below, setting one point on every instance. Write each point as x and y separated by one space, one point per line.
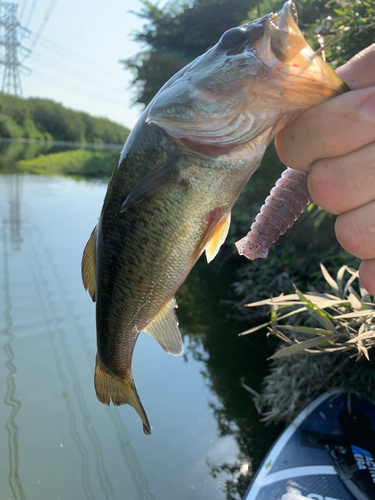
120 391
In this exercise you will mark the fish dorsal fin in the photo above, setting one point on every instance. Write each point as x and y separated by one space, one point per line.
88 267
218 238
164 329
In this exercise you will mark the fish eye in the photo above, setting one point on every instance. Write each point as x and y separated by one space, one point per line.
254 32
233 38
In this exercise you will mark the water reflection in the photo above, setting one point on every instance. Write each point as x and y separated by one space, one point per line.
57 341
14 194
11 151
51 295
41 259
228 361
10 400
70 446
129 456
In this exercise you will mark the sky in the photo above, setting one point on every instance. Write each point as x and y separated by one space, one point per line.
76 59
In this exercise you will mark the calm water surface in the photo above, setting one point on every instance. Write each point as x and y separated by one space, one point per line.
56 440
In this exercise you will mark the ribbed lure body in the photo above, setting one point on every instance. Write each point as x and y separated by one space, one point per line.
287 200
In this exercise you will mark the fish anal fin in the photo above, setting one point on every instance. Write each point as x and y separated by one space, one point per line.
88 267
162 177
217 238
164 329
120 391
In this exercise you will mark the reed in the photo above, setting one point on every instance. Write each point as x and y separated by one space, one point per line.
325 343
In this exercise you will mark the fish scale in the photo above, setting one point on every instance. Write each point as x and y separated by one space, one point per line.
180 172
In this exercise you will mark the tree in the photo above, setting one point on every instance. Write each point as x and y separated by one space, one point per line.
43 119
355 25
175 35
179 32
354 22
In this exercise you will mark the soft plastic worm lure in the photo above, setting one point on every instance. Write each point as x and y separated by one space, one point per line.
287 200
290 197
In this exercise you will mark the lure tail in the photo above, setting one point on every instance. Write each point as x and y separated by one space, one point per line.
288 199
120 391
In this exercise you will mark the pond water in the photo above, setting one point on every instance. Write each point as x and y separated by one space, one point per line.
56 440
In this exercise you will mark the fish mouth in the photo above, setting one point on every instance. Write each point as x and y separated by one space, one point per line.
286 19
285 36
295 56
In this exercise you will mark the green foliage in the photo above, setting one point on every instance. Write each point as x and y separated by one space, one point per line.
208 323
172 36
63 124
12 151
175 34
309 11
42 119
102 130
31 132
354 22
9 128
295 381
332 324
342 320
178 32
295 257
79 163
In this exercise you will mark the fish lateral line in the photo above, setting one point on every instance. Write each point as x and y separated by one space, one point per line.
204 150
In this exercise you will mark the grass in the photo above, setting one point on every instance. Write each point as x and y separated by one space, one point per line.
80 163
326 339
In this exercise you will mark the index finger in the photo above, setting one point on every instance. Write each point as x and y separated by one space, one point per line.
358 73
337 126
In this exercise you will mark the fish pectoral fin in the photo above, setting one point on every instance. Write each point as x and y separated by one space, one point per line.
88 266
121 391
218 238
158 179
164 329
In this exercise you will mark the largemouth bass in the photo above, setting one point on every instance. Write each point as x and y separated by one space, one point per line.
180 172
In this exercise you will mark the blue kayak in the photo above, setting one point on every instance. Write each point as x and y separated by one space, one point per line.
326 453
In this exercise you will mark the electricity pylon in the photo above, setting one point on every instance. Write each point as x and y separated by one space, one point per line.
9 39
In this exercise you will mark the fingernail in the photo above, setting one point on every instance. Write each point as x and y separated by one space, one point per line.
369 108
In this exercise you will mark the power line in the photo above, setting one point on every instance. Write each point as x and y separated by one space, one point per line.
45 19
70 54
23 8
11 75
31 11
73 88
79 74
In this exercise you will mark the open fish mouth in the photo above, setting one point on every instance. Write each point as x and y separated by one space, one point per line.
286 38
287 18
212 104
297 58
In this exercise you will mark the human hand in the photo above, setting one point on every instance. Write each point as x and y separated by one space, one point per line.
335 143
